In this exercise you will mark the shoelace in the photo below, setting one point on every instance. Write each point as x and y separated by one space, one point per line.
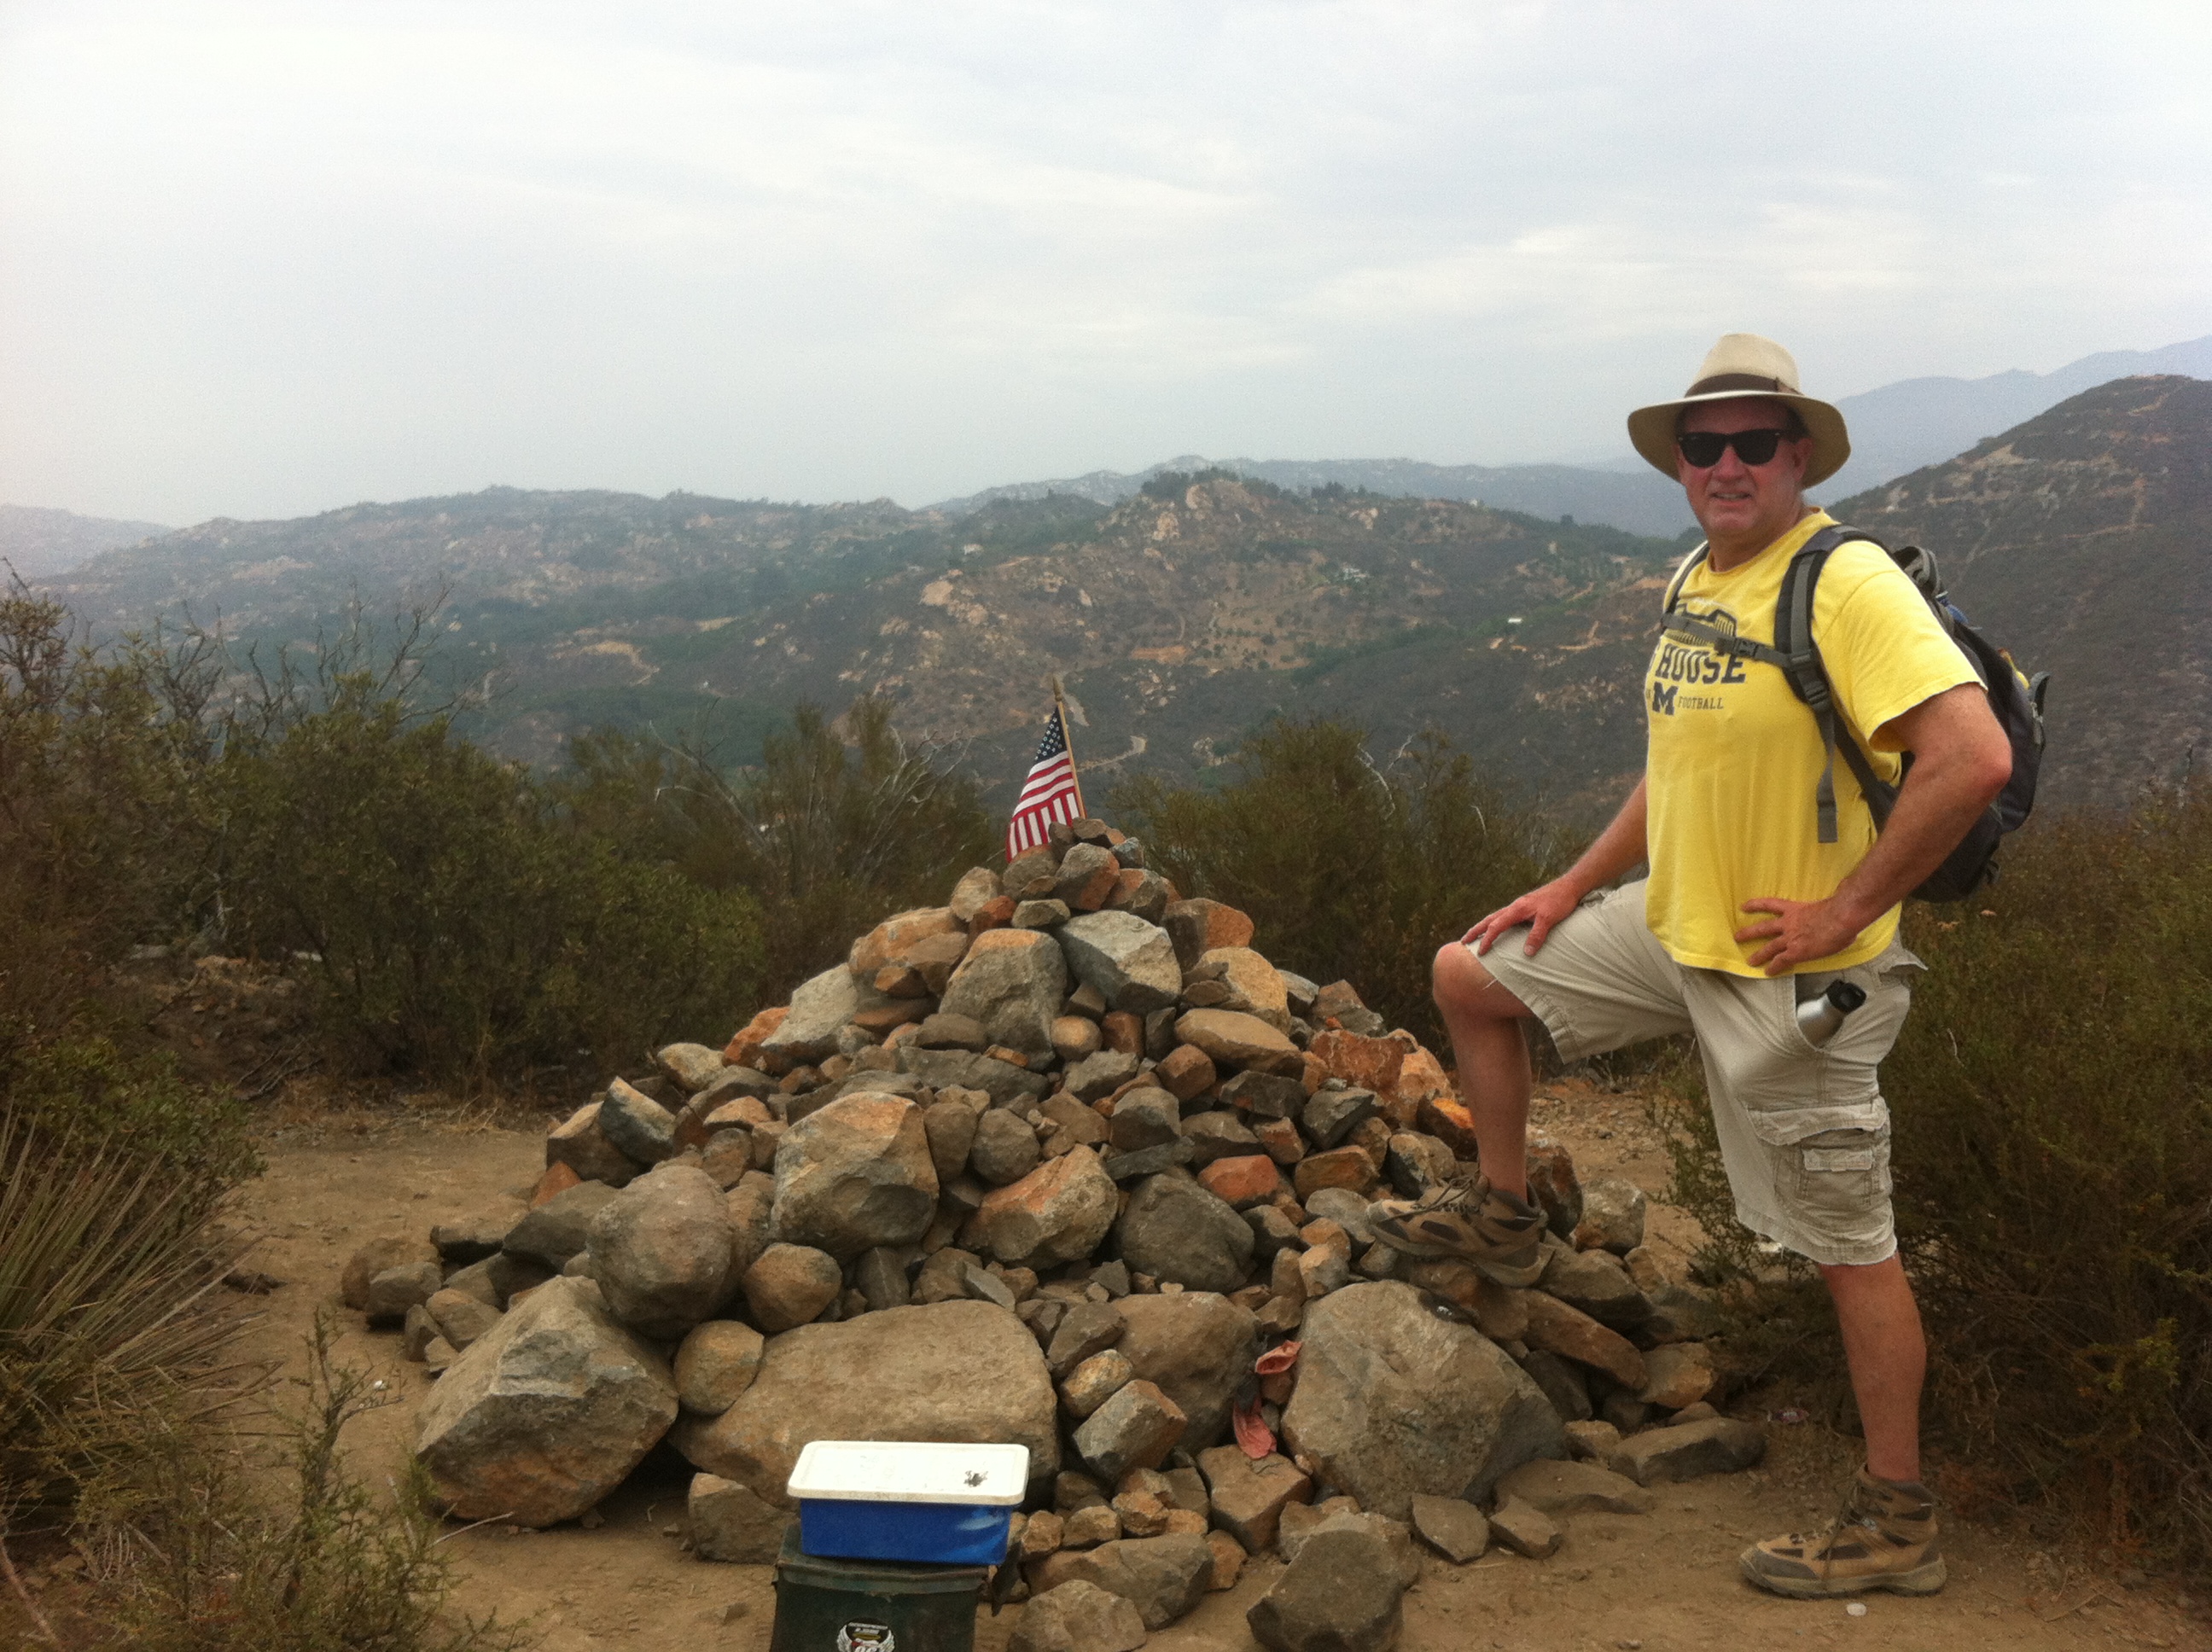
1457 1193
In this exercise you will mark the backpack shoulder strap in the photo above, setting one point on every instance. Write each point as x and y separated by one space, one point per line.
1801 663
1698 630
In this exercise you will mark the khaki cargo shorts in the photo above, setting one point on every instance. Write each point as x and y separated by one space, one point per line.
1803 1130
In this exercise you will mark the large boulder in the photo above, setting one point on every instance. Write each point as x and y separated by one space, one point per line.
660 1250
546 1412
964 1372
1013 981
893 942
1174 1229
1131 962
855 1175
1196 1347
1077 1617
1057 1213
1392 1400
819 1008
1340 1595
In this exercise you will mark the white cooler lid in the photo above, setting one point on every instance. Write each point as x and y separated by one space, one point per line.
911 1471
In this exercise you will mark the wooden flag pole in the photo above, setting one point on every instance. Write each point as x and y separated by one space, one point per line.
1067 739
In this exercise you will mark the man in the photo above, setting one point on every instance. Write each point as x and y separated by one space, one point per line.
1743 914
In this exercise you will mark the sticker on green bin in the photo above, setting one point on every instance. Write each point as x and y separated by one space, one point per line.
866 1637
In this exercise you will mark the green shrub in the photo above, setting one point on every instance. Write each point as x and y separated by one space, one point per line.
1348 870
455 923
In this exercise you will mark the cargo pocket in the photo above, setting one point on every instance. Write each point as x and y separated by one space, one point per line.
1842 1181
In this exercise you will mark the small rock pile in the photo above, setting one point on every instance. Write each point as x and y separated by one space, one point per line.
1054 1164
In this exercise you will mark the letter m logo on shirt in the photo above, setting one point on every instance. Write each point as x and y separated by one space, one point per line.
1662 698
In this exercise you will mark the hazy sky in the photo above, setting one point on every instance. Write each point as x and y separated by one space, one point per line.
263 260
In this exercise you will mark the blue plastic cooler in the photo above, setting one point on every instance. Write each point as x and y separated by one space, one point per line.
923 1501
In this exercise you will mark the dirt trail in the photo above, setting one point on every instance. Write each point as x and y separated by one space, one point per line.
1663 1583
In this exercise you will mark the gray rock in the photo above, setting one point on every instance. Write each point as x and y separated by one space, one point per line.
545 1413
716 1363
880 1277
1680 1314
941 1070
460 1317
944 1276
950 1128
1563 1383
1131 962
1005 1148
749 1209
1345 1208
1272 1232
1415 1162
1086 879
1525 1530
1077 1617
1265 1095
1163 1577
983 1285
635 1122
1217 1135
660 1250
689 1067
395 1290
730 1521
1595 1282
1143 1118
854 1175
1687 1451
820 1009
977 888
1135 1428
1095 1382
790 1285
1342 1513
1099 1075
1613 1216
1453 1526
952 1032
1085 1329
1198 1347
578 1143
1147 898
1174 1229
1330 1115
1248 1494
496 1279
1148 1161
1040 914
478 1235
1012 981
1084 1126
1392 1401
732 1083
1057 1213
953 1370
1340 1595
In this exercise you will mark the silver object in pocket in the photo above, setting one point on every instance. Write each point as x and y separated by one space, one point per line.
1818 1018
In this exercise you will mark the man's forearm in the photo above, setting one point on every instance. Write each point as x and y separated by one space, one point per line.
1617 847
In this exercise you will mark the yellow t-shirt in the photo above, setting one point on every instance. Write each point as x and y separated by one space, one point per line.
1734 757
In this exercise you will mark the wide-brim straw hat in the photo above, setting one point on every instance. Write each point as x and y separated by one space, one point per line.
1743 364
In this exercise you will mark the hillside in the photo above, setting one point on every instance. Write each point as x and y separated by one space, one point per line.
38 543
2082 539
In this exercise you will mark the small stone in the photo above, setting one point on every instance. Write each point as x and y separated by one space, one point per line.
1677 1375
1593 1441
690 1067
977 886
1249 1496
580 1143
1242 1182
1199 926
438 1355
1322 1270
950 1128
1553 1184
1453 1526
715 1363
1144 1118
1331 1115
1087 1328
635 1122
460 1317
1523 1529
1005 1148
1686 1451
1233 1039
395 1290
1228 1561
953 1032
1568 1332
1040 914
1095 1382
374 1258
730 1522
1341 1167
1135 1428
1090 1525
479 1235
1142 1514
1185 1073
1613 1216
1595 1282
1041 1535
1624 1410
1280 1139
1573 1488
1339 1593
1265 1096
1163 1576
1074 1037
1563 1383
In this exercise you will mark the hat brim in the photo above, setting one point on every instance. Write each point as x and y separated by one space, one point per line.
1652 430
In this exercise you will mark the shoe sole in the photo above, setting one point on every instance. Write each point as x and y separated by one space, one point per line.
1924 1579
1517 1276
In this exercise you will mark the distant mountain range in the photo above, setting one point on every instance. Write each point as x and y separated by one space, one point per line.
37 541
1896 428
1189 612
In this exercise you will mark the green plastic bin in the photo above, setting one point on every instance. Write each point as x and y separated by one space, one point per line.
872 1605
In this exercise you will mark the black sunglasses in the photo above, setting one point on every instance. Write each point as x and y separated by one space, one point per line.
1704 448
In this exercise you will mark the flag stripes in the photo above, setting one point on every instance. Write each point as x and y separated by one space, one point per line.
1048 794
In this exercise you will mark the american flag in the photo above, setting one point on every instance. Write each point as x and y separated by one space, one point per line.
1050 792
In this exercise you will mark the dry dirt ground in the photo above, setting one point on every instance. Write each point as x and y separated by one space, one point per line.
1666 1582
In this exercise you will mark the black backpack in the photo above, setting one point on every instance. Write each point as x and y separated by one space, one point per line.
2017 701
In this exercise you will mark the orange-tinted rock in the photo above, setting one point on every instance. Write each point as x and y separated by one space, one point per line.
1073 1037
1340 1167
1233 1039
1243 1181
1199 926
1421 1077
1281 1139
744 1049
1315 1073
1123 1031
1185 1073
1450 1123
1364 1063
994 913
1572 1335
558 1179
893 940
880 1019
1372 1138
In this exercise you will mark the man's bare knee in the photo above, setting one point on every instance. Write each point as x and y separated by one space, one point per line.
1463 988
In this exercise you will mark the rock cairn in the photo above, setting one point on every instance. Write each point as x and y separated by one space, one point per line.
1055 1164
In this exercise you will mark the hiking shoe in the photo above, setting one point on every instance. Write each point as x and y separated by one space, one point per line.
1468 1221
1886 1539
